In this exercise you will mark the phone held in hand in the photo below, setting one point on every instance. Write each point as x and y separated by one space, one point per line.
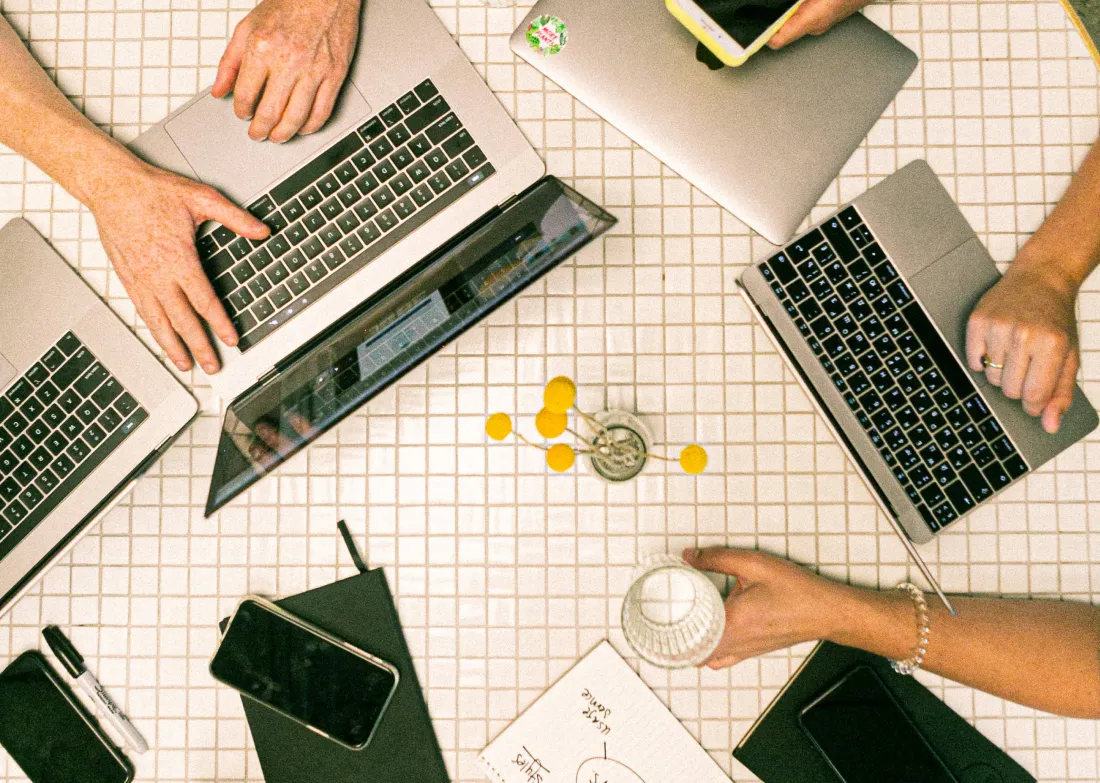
49 733
733 30
304 673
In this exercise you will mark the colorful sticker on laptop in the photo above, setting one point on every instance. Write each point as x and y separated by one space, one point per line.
547 35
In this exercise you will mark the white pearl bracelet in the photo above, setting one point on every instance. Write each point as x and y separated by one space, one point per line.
913 662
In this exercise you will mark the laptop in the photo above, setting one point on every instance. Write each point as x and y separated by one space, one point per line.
416 151
85 409
397 328
764 140
870 310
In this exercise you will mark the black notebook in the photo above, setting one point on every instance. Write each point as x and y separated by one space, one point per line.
777 750
361 611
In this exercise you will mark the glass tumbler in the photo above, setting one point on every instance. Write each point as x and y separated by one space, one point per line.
673 616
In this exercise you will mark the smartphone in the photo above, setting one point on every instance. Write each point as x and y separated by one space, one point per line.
865 735
733 30
303 672
49 733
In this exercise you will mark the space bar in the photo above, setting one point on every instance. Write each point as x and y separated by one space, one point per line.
81 472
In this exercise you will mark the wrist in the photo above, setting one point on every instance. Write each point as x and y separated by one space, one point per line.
879 621
101 181
1060 266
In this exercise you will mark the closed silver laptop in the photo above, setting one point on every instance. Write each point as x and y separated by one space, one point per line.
763 140
85 409
417 150
870 309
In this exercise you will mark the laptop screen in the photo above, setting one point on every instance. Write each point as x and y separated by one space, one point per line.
397 329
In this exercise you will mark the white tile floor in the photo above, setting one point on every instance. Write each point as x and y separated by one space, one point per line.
505 575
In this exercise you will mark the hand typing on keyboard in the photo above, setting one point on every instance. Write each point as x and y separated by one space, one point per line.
286 63
1026 323
814 18
147 220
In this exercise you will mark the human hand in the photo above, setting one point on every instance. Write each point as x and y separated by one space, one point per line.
286 63
1026 323
270 445
775 603
147 220
814 17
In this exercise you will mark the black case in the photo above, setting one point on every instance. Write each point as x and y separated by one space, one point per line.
778 751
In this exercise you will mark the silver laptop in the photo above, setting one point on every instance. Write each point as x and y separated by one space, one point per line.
85 409
870 310
416 151
763 140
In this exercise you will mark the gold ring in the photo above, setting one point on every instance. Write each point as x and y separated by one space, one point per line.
987 363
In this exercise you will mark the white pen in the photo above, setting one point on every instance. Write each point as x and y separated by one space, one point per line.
74 665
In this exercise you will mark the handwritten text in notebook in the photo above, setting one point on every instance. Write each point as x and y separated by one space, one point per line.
598 724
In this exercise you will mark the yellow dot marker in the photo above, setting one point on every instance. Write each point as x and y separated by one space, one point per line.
550 424
693 459
560 395
560 457
499 426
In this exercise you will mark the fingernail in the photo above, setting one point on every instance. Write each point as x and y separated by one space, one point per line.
231 341
182 365
210 368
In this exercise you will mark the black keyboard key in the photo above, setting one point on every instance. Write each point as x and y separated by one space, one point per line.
919 475
425 90
8 461
439 182
330 235
241 298
442 129
244 322
832 345
873 253
908 344
882 381
958 457
9 490
372 129
21 390
402 158
884 346
420 146
997 476
859 270
436 159
328 185
25 474
845 362
897 365
408 102
347 196
933 381
982 454
367 183
5 438
126 404
276 275
298 284
276 222
333 258
78 450
809 309
280 296
37 374
62 466
836 272
109 420
847 290
53 359
959 497
860 309
365 210
422 194
401 185
458 144
932 494
316 168
293 209
31 408
427 114
386 220
919 436
314 220
838 238
933 343
260 285
886 273
976 483
68 344
957 417
15 513
40 458
298 259
883 420
363 160
381 147
30 497
1015 466
16 423
457 170
38 431
91 379
240 248
908 457
883 306
72 427
907 417
391 115
350 245
348 222
88 411
316 271
858 383
368 233
809 270
345 172
1002 448
900 293
798 291
331 209
977 409
243 272
934 420
296 233
277 247
870 401
94 435
921 402
46 482
384 197
419 171
909 383
943 473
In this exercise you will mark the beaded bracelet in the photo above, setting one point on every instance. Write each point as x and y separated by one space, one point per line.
913 662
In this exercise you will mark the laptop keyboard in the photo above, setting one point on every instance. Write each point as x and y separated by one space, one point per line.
344 208
59 421
906 387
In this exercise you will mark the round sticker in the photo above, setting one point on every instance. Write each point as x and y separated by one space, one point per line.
547 35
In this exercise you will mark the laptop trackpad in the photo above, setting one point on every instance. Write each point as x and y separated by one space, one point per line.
217 146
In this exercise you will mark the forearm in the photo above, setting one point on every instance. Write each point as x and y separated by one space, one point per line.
43 126
1043 654
1069 240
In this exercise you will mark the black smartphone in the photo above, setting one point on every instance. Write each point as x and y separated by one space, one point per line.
865 735
303 672
49 733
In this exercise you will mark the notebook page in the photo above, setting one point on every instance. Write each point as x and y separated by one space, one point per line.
598 724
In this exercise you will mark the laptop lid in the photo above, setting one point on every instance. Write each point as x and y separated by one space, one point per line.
765 139
398 328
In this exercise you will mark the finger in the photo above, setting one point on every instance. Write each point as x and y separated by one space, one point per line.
249 85
813 16
977 330
230 63
1016 364
997 342
1043 374
736 562
212 205
272 106
151 311
300 424
324 102
724 662
187 325
206 303
1063 394
297 111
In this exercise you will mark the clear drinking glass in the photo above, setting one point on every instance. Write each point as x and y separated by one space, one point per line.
673 616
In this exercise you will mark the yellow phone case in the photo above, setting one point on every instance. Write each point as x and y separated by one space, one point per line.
716 49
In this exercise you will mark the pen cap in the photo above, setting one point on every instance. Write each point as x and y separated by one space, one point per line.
64 650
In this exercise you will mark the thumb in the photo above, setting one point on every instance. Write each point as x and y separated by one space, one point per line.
212 205
1063 394
741 563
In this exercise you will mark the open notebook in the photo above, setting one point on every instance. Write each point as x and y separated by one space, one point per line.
598 724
